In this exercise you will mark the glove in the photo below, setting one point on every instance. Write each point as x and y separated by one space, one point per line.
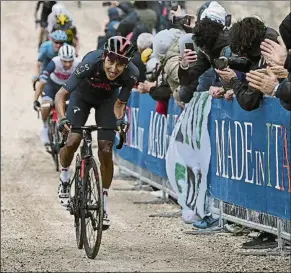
36 105
186 94
62 125
122 125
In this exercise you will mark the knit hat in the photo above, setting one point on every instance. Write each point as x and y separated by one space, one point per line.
144 40
162 42
215 12
113 13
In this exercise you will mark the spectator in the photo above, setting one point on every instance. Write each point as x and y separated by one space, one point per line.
141 14
245 38
144 41
277 54
110 27
211 38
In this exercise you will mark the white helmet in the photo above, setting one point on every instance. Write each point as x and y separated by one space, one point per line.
67 53
58 9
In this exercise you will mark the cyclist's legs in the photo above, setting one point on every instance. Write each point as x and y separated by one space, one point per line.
50 91
104 116
77 113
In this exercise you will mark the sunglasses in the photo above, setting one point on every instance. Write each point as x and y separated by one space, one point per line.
114 57
58 43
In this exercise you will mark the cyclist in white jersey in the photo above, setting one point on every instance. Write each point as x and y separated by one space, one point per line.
58 70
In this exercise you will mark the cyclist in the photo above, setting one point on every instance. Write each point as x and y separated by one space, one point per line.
58 70
95 84
46 10
48 50
57 9
64 23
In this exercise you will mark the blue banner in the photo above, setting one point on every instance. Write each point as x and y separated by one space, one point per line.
250 156
149 133
250 162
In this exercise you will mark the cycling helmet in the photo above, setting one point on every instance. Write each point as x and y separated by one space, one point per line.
62 19
118 47
58 9
67 53
59 35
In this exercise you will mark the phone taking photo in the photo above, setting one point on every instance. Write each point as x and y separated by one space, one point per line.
182 20
190 46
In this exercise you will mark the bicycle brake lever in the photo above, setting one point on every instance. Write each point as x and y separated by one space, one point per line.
121 140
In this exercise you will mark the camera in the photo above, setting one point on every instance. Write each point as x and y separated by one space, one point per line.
236 63
106 4
182 20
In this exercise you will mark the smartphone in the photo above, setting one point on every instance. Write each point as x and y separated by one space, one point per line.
182 20
221 63
190 46
106 4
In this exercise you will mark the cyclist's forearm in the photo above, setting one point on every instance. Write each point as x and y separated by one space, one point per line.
38 90
119 109
38 67
60 102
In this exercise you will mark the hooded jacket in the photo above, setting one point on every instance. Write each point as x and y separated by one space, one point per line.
189 78
249 98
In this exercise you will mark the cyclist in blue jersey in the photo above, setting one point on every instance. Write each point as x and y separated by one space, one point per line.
48 50
95 84
58 70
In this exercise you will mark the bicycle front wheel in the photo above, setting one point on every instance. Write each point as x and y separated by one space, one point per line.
92 208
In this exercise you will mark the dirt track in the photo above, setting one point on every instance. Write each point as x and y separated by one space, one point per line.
37 234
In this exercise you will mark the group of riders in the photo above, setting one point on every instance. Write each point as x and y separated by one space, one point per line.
102 80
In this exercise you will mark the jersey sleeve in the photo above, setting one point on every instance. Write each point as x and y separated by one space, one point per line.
130 79
82 71
47 71
42 53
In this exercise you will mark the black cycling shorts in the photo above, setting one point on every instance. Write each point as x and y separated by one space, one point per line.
50 90
79 109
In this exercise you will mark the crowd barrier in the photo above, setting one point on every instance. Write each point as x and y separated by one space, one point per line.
215 157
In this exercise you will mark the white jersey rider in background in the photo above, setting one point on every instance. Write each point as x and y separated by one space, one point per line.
57 9
56 73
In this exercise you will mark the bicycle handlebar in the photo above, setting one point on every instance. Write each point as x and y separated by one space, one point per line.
92 128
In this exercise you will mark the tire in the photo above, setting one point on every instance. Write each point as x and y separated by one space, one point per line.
92 249
51 135
77 203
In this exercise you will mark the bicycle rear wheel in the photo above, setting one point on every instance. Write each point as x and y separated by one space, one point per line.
77 203
92 208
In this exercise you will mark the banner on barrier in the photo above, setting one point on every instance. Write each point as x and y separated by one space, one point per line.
245 156
149 133
250 156
188 157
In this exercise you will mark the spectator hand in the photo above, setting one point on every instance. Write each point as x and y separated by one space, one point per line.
188 58
229 95
279 71
217 92
144 87
114 3
274 53
226 74
260 81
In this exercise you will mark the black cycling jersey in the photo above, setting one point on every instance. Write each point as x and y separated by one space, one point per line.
46 9
90 88
90 80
